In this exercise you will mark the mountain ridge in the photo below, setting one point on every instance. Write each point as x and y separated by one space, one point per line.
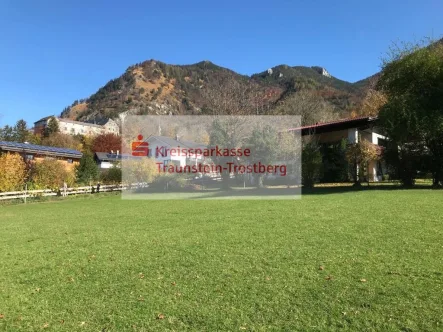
154 87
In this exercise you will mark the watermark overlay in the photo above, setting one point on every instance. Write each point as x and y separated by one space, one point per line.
211 157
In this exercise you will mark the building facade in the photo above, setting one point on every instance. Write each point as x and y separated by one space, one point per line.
352 130
71 127
160 148
37 153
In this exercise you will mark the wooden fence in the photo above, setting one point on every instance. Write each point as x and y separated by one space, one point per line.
25 194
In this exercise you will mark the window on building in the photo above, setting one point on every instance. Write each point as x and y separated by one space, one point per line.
29 157
70 161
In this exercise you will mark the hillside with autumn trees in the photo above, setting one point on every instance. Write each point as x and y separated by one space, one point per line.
153 87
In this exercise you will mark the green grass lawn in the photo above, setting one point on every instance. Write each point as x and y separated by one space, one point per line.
363 261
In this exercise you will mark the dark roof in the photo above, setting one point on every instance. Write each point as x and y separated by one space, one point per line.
105 156
39 149
319 128
194 145
175 143
45 118
100 121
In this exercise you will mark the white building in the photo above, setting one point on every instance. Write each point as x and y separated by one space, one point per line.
160 148
72 127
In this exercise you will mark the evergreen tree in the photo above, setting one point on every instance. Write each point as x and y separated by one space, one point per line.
7 133
52 127
21 131
87 170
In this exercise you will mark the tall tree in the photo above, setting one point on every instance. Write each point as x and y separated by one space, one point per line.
311 163
264 146
289 151
52 127
21 131
87 169
412 82
226 133
359 155
371 104
7 133
107 143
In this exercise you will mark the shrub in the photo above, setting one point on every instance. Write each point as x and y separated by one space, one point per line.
50 174
143 170
193 187
12 172
60 140
280 181
169 182
112 175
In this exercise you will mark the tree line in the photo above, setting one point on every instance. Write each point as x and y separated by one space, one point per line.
16 171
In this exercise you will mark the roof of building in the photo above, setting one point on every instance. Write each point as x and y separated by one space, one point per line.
175 143
45 118
106 156
103 121
342 124
80 123
99 123
39 149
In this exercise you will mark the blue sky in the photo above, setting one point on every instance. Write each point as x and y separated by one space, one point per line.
53 52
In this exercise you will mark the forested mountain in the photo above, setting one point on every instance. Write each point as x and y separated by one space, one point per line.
153 87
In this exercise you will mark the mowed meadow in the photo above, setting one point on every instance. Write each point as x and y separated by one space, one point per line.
367 260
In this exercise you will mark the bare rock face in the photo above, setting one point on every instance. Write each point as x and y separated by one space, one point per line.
322 71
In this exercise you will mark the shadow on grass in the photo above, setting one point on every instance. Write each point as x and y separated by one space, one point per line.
349 189
271 193
288 193
252 193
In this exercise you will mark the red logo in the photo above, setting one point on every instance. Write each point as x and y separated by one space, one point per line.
140 148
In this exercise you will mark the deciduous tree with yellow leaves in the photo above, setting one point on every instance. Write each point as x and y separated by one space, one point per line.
12 172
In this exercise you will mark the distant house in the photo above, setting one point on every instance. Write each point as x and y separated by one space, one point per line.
72 127
37 153
160 148
352 130
106 160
